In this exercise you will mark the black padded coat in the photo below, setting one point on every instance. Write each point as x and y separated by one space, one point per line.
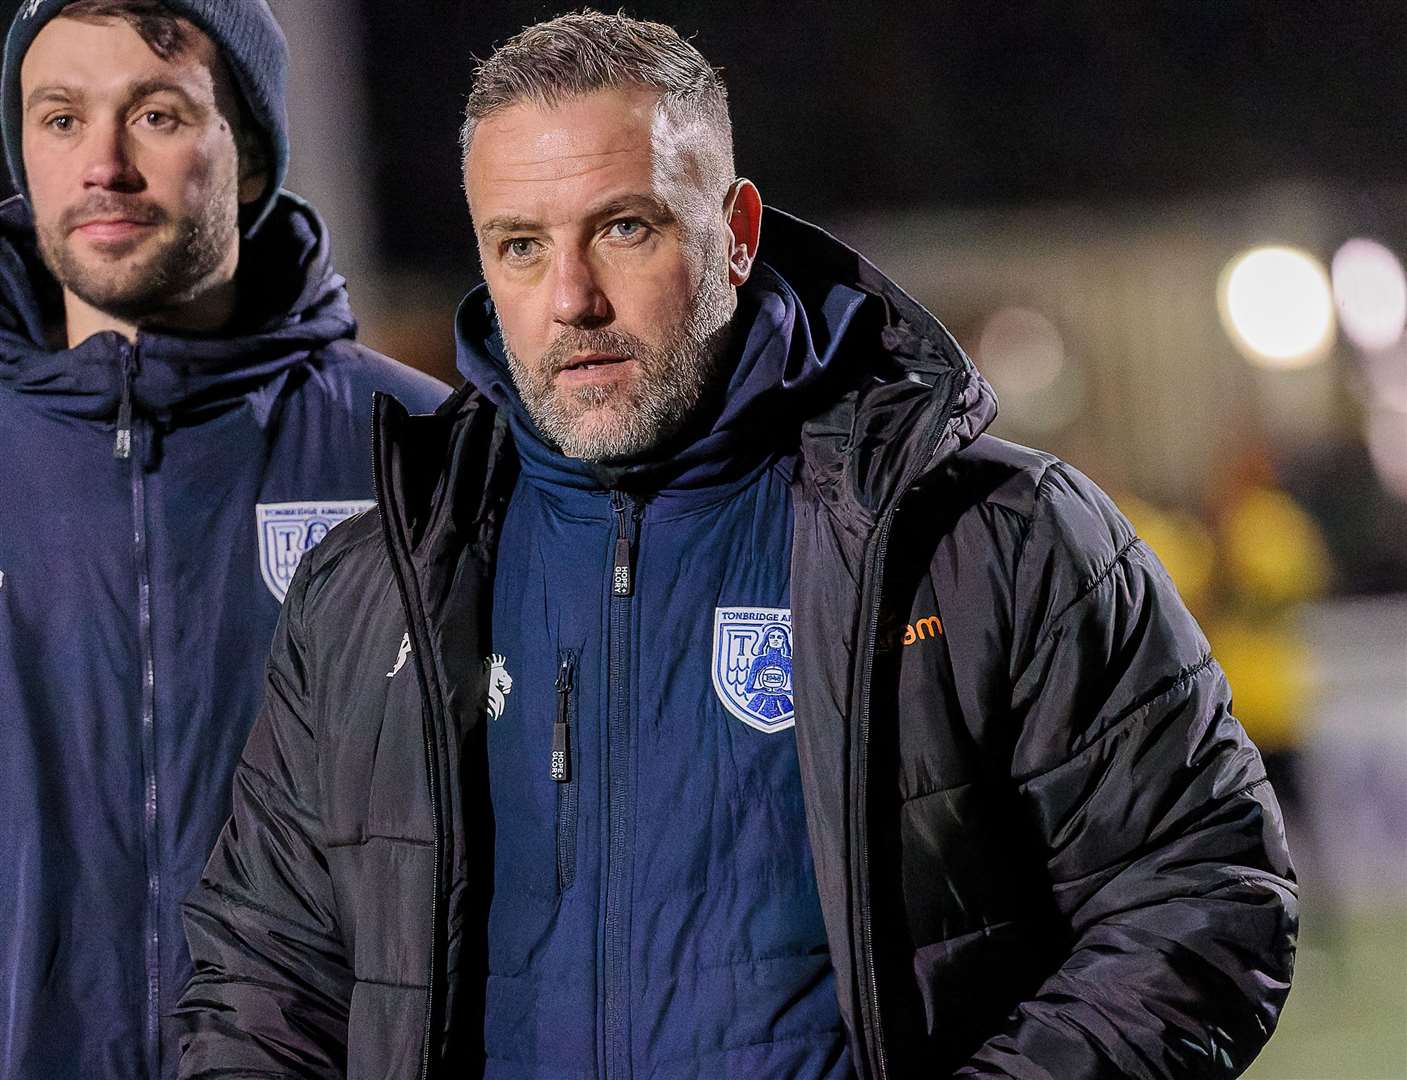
1044 846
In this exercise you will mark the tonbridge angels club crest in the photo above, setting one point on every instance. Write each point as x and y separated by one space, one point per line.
288 531
752 665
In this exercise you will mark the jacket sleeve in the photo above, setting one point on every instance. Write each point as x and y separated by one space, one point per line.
270 992
1162 838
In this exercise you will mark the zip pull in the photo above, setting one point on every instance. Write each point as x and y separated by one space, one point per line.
623 578
122 448
561 745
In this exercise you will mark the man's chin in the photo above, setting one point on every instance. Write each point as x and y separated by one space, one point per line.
602 434
132 302
106 294
596 426
121 285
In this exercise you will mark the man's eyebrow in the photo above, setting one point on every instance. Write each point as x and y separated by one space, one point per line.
51 92
145 88
509 224
148 87
643 205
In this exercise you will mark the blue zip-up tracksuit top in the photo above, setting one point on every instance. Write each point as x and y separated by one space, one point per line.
654 909
138 596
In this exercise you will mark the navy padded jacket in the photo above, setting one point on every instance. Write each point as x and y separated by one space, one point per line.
654 907
138 596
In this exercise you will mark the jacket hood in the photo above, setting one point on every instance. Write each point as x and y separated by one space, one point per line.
824 344
904 395
291 303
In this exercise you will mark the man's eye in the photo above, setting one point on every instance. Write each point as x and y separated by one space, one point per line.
519 248
155 118
626 229
62 123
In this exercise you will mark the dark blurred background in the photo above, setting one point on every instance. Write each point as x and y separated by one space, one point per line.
1171 235
889 105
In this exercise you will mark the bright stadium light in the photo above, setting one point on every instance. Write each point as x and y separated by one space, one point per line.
1278 307
1371 294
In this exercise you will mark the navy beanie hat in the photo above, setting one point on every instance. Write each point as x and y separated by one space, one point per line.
245 32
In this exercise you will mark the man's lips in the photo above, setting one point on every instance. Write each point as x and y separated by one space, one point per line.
592 367
590 360
112 228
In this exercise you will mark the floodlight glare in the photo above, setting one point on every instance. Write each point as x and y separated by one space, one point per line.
1277 307
1371 293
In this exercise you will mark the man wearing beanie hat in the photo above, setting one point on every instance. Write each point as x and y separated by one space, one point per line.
183 414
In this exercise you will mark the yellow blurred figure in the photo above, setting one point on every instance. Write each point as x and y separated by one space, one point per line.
1183 545
1271 674
1272 558
1273 552
1266 557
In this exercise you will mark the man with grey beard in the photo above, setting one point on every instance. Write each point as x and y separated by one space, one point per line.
672 379
709 696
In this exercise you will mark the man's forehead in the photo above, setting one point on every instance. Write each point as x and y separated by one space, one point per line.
557 138
532 158
561 156
109 53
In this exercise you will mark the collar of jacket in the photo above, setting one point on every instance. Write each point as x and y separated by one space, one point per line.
292 302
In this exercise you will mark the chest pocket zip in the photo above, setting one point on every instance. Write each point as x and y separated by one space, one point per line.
563 770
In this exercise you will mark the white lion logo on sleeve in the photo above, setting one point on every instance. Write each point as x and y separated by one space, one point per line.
500 684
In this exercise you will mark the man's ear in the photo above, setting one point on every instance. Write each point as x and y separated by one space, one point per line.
252 187
253 168
742 210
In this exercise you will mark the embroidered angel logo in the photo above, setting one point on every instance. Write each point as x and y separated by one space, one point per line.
752 657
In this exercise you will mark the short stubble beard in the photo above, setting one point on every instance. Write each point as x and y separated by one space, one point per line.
172 275
619 422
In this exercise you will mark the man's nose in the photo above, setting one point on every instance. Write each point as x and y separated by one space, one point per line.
578 298
109 163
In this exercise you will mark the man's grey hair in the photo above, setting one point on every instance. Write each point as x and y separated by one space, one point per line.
588 51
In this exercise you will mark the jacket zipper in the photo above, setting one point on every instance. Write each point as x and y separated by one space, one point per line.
616 1007
122 445
623 573
879 551
420 647
870 980
122 450
564 775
